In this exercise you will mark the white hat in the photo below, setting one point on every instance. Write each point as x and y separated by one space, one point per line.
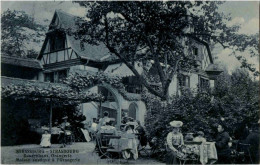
65 117
176 124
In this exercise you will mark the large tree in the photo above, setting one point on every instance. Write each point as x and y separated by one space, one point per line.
164 32
20 34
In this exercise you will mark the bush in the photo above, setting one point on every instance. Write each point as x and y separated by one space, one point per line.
198 113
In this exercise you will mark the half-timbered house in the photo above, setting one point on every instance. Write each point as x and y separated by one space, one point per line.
62 54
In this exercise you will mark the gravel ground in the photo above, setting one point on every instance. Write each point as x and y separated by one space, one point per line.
34 154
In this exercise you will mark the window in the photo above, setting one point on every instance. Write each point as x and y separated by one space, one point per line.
204 83
49 77
56 77
195 51
57 42
61 75
184 81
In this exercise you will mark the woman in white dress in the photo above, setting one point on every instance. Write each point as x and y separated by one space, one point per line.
174 141
46 139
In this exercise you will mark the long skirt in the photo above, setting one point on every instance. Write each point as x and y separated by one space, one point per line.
171 158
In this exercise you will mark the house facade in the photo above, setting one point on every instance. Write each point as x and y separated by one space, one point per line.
62 54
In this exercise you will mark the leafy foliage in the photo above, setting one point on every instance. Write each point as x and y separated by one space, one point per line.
164 32
235 104
85 80
57 94
19 30
195 111
239 98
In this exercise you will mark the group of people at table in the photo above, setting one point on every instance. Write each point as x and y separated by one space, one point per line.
178 146
132 134
126 140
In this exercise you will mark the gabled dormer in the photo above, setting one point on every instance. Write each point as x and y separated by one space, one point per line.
60 47
60 51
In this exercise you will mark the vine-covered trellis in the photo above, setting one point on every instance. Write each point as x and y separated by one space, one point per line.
81 80
52 94
73 91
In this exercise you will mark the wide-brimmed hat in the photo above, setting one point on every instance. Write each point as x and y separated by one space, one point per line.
65 117
176 124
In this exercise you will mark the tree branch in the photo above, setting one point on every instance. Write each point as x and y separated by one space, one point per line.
131 67
170 78
157 62
202 42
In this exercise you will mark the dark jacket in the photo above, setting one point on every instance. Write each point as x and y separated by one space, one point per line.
222 144
253 140
142 137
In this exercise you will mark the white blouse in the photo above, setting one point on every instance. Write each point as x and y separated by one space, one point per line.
174 140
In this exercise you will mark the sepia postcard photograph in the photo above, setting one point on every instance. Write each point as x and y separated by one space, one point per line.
130 82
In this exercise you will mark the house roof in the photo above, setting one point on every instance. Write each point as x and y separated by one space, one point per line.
97 53
5 81
23 62
213 68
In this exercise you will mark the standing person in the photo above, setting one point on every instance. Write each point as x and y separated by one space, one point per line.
174 140
46 139
222 146
141 131
64 127
103 121
253 140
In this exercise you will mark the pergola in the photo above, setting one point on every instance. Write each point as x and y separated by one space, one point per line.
53 93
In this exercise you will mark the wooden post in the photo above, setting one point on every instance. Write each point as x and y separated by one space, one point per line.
100 110
50 126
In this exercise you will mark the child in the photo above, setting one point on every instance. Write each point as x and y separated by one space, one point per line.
200 137
46 139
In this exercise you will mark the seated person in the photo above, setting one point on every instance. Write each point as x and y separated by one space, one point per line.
122 127
46 139
200 137
130 119
189 137
108 128
124 120
93 127
130 129
130 136
174 141
103 121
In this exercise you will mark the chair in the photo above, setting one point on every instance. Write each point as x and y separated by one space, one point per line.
70 137
114 152
101 148
243 152
79 136
142 148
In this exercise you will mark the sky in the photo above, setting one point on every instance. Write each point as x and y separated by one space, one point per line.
244 13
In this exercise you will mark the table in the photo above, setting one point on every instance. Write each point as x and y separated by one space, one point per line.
207 152
126 144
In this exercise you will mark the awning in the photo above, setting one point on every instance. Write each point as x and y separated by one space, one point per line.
122 70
